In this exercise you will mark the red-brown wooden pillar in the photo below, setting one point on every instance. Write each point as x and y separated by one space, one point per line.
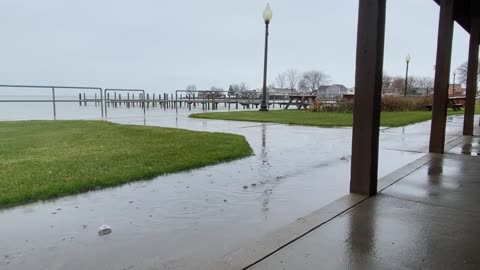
368 90
442 76
472 69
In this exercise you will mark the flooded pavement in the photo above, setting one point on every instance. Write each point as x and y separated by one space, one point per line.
428 219
195 216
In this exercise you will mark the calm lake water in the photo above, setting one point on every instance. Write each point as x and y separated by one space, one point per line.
185 220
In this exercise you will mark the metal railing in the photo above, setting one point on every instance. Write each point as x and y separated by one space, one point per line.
53 100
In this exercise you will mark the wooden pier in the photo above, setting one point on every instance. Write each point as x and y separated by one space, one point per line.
170 101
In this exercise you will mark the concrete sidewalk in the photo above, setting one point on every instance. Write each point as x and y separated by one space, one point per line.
429 219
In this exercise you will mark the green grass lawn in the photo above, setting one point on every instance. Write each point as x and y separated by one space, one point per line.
46 159
321 119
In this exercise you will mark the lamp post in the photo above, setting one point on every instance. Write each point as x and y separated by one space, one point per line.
267 17
407 60
453 88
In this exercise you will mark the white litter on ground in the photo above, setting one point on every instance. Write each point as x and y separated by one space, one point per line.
104 230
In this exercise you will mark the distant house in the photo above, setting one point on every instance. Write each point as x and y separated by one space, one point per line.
332 91
455 90
281 91
420 92
250 94
211 94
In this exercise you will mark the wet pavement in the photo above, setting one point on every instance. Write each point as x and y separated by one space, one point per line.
200 215
427 220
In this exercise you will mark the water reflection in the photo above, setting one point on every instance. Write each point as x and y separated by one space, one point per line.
265 198
361 239
263 151
471 149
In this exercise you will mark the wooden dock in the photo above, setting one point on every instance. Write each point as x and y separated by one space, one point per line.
170 101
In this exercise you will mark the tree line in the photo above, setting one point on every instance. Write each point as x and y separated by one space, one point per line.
308 81
233 88
312 80
463 71
396 84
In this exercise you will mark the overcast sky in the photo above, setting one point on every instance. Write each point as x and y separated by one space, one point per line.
165 45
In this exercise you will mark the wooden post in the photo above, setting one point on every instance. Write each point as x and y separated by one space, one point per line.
84 99
236 101
442 76
80 98
472 75
120 99
368 85
128 100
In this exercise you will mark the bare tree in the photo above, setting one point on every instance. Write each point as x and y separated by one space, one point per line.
216 89
412 83
462 72
386 83
243 86
312 80
398 85
238 87
302 86
424 82
191 88
281 80
292 78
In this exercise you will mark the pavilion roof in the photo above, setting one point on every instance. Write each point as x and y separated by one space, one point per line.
462 12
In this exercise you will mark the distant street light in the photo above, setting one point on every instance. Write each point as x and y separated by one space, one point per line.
454 75
407 60
267 17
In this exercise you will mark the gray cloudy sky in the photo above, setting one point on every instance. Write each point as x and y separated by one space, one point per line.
165 45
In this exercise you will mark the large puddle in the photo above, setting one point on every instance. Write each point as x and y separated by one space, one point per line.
189 218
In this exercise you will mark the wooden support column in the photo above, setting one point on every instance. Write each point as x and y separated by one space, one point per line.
442 76
368 90
472 73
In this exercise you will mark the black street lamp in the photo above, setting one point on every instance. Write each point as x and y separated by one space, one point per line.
453 91
407 60
267 17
